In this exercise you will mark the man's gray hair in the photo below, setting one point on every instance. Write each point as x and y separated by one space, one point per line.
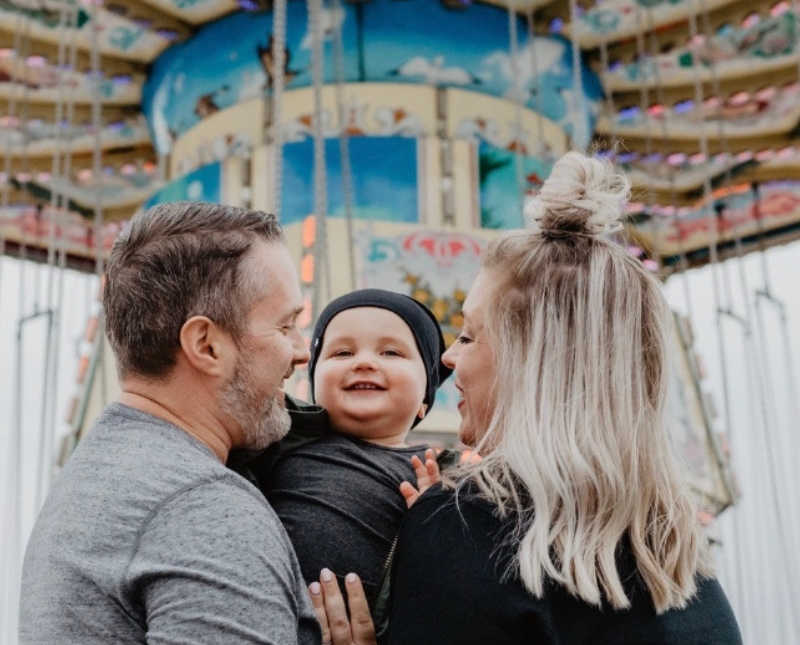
172 262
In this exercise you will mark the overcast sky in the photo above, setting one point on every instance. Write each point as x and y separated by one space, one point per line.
765 460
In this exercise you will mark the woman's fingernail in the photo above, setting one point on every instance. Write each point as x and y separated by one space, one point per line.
315 588
350 578
327 575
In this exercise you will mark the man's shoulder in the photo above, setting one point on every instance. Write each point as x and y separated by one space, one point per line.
215 499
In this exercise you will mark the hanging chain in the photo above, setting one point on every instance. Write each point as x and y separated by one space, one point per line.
344 140
278 81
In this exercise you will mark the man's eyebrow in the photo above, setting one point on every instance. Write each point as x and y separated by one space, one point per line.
294 313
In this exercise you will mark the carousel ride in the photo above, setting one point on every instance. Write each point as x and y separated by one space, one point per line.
393 138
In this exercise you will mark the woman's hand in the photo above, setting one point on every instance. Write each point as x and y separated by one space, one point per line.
331 613
427 475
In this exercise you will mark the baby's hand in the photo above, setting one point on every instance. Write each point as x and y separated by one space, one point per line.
427 475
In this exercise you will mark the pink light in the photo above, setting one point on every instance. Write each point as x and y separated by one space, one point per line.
36 61
721 158
697 158
656 110
765 155
6 52
711 103
23 177
9 122
745 155
780 8
676 158
786 153
751 20
635 251
740 98
650 265
43 176
634 207
766 94
85 175
128 169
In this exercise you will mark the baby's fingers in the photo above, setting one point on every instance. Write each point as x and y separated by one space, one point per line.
432 471
409 493
419 468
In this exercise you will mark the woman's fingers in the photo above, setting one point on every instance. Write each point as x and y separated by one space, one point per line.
361 626
318 602
329 607
409 493
338 623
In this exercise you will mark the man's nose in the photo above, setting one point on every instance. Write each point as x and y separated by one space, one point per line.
301 353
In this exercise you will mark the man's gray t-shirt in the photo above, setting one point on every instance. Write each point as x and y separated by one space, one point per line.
147 538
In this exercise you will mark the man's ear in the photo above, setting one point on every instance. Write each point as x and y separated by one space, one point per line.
205 345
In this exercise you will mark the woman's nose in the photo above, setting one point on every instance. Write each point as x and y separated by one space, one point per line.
449 357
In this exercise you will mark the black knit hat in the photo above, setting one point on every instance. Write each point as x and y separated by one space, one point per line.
417 316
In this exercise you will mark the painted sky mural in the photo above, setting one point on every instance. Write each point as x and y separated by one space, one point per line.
415 41
201 185
384 173
499 183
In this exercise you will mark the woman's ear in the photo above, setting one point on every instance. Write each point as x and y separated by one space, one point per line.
423 410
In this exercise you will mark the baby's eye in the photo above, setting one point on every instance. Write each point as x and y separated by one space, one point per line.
392 352
341 353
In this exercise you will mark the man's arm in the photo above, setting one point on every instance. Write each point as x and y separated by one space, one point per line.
214 565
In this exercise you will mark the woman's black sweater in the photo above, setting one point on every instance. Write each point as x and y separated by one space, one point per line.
448 587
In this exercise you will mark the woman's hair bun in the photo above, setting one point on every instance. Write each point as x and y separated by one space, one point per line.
582 195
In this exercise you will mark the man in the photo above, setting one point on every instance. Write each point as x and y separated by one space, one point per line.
146 535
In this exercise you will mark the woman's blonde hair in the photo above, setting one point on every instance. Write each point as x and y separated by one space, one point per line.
577 449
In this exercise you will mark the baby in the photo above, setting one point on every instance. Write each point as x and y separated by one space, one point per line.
334 481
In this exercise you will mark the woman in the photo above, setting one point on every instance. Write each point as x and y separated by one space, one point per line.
574 527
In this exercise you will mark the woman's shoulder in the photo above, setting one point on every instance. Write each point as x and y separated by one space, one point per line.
455 506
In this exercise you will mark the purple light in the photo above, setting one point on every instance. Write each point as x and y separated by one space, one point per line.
627 157
628 114
167 34
556 26
683 107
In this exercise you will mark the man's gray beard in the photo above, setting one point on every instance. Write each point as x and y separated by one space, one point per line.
263 421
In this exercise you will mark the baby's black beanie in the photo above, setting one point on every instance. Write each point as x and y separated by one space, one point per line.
417 316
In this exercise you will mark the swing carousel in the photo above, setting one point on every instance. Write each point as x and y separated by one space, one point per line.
393 139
